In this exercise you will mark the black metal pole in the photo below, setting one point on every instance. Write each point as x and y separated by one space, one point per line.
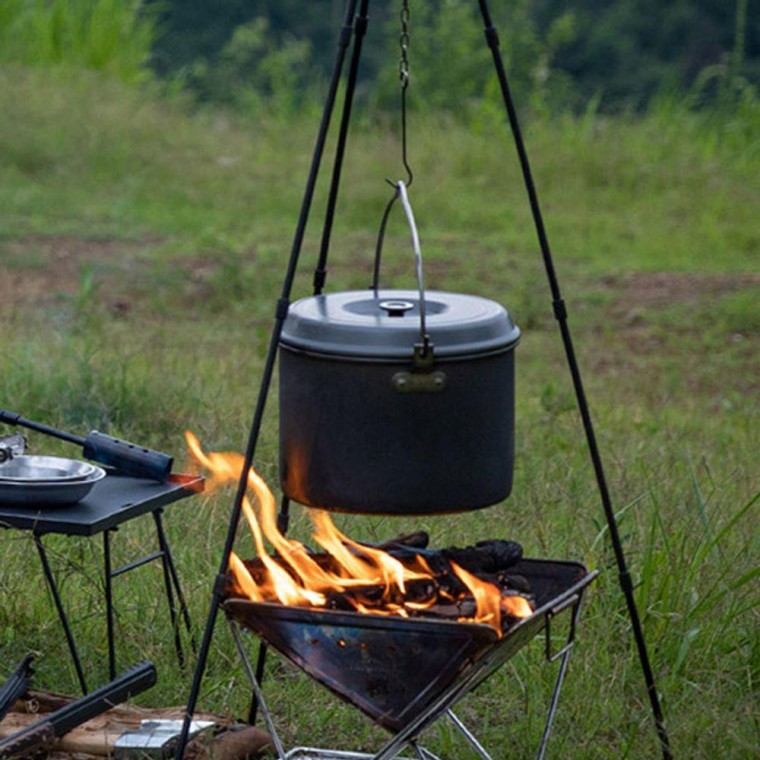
108 585
53 586
280 314
360 29
169 589
560 312
168 563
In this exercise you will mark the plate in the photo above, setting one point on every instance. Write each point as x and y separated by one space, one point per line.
48 493
35 469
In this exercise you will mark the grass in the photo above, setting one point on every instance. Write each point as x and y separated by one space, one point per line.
142 249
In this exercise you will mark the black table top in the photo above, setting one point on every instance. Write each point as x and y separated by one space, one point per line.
112 501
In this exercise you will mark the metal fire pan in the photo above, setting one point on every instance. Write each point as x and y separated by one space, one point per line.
394 669
388 667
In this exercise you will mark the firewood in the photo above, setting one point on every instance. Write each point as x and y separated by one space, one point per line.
484 557
96 738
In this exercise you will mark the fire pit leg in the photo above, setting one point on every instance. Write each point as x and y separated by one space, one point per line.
422 753
476 745
260 662
235 630
283 519
553 704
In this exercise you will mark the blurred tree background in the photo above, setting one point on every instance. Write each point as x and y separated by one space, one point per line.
561 54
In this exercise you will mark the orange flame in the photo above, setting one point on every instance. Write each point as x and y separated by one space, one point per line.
487 596
296 578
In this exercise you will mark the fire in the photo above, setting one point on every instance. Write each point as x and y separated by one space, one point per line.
295 577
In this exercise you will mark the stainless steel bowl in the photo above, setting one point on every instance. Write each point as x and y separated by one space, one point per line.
53 487
36 469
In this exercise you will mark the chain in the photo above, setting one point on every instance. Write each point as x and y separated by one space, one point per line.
403 64
403 73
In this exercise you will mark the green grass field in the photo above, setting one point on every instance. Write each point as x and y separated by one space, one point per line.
141 255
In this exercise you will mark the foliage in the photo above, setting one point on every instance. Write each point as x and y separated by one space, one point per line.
115 36
559 54
253 73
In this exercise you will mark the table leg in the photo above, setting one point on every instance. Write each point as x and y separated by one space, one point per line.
171 580
109 603
61 613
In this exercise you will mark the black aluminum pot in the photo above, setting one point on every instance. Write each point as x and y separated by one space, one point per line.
369 424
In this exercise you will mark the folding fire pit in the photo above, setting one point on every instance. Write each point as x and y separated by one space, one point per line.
382 393
405 673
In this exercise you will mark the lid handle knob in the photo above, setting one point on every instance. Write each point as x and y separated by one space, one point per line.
396 308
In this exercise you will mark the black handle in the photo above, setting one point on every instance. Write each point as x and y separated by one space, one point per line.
129 458
13 418
133 681
16 685
38 736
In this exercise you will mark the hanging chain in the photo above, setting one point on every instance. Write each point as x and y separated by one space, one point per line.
403 64
403 73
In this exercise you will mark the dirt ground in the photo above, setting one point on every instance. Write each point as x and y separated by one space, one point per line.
39 271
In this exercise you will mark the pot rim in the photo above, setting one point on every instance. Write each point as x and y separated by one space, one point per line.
357 325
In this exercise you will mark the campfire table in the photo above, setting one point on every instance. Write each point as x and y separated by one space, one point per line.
111 502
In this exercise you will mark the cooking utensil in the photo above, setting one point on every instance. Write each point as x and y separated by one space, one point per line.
397 401
28 492
38 469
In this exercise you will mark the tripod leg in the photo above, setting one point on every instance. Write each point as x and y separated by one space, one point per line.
280 314
560 312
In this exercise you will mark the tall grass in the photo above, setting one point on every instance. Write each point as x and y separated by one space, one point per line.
114 36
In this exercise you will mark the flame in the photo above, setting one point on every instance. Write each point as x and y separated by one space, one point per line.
487 596
294 577
516 606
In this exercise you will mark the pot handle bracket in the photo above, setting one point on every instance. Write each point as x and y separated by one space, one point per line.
422 378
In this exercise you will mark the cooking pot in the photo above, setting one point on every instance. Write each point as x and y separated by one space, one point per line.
397 401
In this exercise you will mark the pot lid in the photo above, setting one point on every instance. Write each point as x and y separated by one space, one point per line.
386 324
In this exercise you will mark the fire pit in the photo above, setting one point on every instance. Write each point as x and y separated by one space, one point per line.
398 630
396 669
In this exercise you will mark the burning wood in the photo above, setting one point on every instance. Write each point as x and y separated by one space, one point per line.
402 578
444 594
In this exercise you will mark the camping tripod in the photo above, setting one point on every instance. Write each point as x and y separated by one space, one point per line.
355 24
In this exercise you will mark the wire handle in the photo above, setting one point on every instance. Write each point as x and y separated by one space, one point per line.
407 206
422 350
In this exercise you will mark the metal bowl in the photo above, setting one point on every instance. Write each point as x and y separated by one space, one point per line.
48 493
36 469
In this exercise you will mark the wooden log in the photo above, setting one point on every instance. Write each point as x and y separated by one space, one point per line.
96 738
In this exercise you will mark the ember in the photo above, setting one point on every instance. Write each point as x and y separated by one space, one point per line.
402 578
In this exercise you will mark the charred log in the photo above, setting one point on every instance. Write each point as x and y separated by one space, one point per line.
484 557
